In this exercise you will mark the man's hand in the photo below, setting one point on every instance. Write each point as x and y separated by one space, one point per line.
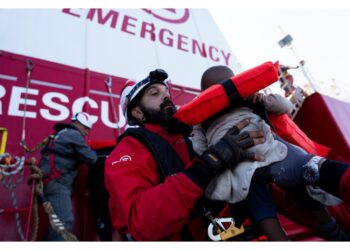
230 149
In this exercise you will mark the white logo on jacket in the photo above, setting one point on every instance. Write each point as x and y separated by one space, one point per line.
123 158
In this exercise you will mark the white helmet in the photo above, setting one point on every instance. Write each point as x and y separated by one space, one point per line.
83 118
132 88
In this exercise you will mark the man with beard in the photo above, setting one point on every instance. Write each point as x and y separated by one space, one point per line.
154 178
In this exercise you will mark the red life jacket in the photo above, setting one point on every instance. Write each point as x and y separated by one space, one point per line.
219 96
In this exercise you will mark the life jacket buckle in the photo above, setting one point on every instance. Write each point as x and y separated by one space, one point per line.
216 233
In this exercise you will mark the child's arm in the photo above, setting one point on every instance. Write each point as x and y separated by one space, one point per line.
199 140
274 103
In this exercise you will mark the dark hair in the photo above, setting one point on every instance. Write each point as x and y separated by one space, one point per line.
155 76
215 74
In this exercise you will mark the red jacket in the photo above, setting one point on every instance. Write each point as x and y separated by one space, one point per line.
140 204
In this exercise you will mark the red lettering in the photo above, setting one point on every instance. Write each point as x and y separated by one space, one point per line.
68 11
196 46
226 57
211 55
103 19
182 40
166 40
126 24
172 10
149 30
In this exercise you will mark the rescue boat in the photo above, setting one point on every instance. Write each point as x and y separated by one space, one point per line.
56 62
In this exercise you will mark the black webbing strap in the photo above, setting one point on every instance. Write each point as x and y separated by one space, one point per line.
167 159
231 91
163 153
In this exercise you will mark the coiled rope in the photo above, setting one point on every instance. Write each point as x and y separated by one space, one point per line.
55 222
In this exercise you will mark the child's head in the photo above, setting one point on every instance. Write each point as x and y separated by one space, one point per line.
215 74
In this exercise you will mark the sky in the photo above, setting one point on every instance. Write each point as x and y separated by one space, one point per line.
321 38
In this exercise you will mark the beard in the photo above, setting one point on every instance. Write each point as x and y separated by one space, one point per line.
164 117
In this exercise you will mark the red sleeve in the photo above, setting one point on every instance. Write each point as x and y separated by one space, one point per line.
138 203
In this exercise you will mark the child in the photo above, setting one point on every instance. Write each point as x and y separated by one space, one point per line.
285 164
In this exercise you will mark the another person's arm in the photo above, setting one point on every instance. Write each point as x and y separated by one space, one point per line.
82 150
274 103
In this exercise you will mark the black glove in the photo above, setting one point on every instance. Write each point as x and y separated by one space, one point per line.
229 151
224 154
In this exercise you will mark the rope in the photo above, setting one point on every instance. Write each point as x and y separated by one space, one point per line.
35 214
15 206
108 83
7 173
29 68
55 222
36 176
9 169
39 145
6 179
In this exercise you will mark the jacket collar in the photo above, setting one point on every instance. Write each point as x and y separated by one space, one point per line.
59 126
159 130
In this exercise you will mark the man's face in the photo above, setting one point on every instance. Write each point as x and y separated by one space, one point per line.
84 130
157 108
156 105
